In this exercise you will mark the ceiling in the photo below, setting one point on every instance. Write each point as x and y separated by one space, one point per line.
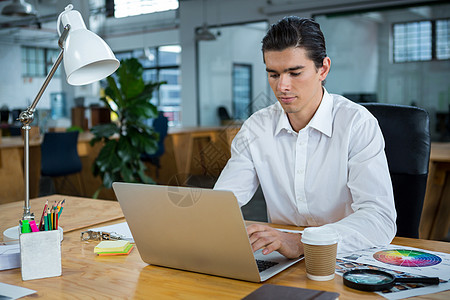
30 29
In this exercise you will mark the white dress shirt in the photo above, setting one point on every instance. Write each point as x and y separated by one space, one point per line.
334 171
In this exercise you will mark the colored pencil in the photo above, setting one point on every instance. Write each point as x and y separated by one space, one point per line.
61 208
45 221
49 217
41 223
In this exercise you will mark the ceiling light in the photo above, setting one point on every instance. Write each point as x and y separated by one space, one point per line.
18 8
203 34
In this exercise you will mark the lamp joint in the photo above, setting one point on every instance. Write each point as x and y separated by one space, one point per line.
26 117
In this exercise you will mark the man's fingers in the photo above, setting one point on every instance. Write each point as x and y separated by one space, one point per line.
256 228
271 247
263 237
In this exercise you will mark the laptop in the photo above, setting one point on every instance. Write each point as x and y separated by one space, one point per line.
194 229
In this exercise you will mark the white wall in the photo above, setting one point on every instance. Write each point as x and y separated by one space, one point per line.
191 17
425 83
238 11
352 46
360 48
18 92
141 40
236 44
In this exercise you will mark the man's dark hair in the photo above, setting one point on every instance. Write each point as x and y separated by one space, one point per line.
297 32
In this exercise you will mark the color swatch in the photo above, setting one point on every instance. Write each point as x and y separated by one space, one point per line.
407 258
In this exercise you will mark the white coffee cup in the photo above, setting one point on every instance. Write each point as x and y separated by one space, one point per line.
320 245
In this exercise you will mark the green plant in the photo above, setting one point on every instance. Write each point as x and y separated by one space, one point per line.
75 128
128 96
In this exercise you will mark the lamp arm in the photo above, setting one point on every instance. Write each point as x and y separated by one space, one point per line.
53 69
26 118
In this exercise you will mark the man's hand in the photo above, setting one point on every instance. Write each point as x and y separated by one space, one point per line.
270 239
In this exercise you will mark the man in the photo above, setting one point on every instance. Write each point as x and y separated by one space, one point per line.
319 157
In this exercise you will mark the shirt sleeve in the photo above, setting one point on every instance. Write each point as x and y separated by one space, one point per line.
239 175
373 221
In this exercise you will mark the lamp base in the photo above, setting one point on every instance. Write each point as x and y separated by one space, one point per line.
11 235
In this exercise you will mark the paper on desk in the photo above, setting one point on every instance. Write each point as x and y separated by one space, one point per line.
8 291
291 231
9 256
121 229
428 263
420 263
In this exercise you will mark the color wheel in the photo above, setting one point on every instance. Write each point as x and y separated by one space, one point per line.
407 258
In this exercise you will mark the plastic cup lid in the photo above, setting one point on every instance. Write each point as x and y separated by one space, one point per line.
319 236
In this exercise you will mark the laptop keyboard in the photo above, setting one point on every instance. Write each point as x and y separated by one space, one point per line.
264 264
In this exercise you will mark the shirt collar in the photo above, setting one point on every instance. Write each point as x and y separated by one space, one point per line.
283 121
321 121
323 118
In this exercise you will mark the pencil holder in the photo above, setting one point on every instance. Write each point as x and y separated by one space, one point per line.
40 254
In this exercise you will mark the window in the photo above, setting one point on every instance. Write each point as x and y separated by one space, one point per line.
37 62
162 64
125 8
242 91
421 41
442 39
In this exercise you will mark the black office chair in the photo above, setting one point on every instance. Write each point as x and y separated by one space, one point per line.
59 158
406 130
161 125
224 116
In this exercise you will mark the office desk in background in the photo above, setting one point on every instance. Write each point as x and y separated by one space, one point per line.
85 275
11 165
198 150
435 220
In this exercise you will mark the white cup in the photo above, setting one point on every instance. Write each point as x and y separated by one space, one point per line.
320 245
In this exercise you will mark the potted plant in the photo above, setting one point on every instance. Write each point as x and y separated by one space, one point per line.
124 141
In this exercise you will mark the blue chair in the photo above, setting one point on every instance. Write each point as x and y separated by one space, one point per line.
160 125
59 158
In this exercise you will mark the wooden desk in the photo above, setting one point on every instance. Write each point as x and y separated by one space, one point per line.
435 220
86 276
198 150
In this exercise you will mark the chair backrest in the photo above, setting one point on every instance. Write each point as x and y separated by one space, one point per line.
59 154
223 114
161 125
406 131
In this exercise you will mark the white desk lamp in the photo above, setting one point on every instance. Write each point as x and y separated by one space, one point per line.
87 58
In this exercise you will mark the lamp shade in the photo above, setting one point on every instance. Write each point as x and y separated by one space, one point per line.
87 58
